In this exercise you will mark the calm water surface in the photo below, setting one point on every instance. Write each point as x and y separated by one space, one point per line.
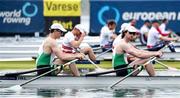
129 92
92 93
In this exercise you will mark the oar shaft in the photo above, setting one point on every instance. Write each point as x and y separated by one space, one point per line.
162 64
132 72
166 66
103 53
35 78
97 48
124 77
88 58
92 62
39 76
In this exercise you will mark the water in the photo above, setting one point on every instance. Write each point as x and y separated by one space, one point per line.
93 93
82 92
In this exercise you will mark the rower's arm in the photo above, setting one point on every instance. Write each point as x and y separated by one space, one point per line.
76 43
168 39
61 55
138 53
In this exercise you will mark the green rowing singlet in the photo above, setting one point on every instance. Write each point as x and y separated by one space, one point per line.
119 59
44 58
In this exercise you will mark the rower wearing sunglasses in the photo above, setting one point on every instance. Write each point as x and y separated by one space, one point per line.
49 49
124 47
119 37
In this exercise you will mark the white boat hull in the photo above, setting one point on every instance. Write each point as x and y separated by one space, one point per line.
104 81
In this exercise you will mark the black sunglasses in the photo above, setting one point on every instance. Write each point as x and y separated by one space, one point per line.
132 33
58 30
62 32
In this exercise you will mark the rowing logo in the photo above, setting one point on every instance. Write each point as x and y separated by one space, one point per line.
20 16
106 9
29 14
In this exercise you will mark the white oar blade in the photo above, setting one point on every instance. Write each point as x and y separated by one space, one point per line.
16 88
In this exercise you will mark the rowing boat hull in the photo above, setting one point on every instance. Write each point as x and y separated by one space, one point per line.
103 81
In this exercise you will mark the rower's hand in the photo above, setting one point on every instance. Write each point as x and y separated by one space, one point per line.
176 39
80 56
83 35
159 54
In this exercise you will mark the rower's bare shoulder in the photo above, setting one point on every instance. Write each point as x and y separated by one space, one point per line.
123 44
51 41
127 47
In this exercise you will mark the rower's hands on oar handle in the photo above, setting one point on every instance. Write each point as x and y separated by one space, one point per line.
159 54
80 56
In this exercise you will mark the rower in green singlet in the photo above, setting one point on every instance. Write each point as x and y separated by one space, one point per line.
123 49
49 49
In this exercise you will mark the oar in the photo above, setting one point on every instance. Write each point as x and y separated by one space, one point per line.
168 67
25 72
35 70
107 72
97 48
138 68
104 52
97 67
35 78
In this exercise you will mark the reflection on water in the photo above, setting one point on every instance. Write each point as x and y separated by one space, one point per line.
93 93
146 93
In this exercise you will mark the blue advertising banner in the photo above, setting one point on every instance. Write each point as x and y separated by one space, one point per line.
21 16
125 10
